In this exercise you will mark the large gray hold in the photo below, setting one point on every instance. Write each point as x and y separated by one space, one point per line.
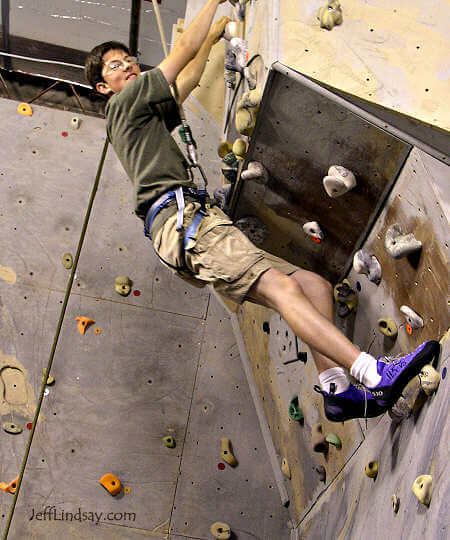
400 245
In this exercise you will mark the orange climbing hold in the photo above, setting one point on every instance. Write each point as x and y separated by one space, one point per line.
25 109
409 329
97 331
111 483
83 323
9 488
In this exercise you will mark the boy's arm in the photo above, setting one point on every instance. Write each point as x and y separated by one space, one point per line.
190 41
190 76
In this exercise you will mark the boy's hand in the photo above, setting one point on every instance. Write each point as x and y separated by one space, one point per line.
217 29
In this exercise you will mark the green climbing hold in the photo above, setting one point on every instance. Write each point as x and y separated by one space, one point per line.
9 427
50 379
333 439
295 411
67 260
169 441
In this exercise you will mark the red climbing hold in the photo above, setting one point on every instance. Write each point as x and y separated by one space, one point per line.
29 425
221 466
64 134
137 293
316 239
409 329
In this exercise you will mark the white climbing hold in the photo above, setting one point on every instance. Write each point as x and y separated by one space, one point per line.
365 263
257 172
339 181
400 245
422 488
231 30
395 503
75 123
412 318
330 15
429 379
312 228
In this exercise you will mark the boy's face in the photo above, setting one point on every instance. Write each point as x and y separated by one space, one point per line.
118 70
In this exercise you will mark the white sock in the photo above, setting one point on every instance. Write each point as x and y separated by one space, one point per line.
364 369
336 375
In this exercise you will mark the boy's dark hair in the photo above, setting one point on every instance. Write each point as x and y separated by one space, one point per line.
94 60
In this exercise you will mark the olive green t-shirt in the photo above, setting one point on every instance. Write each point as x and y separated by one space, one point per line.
139 120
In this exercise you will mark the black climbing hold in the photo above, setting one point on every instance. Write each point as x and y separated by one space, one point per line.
444 373
266 327
358 285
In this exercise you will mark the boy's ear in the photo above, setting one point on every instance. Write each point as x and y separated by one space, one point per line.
103 88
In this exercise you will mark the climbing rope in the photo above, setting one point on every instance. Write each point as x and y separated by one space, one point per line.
55 341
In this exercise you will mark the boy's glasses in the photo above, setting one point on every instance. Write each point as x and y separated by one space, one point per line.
115 65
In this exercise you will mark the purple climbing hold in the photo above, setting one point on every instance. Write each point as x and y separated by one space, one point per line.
444 373
358 285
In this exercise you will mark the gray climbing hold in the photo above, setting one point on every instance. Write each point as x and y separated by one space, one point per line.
365 263
412 318
400 245
223 195
11 428
67 260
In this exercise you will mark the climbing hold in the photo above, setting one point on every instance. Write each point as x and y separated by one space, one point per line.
237 55
169 441
295 412
97 331
365 263
388 327
247 110
75 122
126 490
285 468
266 327
9 427
24 109
50 379
123 285
9 488
422 488
226 453
320 470
254 229
333 439
223 195
412 318
224 148
400 245
429 379
230 167
221 530
231 30
395 503
371 469
312 228
67 260
83 323
319 443
345 298
339 181
240 148
111 483
330 15
257 172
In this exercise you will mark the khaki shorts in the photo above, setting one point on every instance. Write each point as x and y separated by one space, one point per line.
220 255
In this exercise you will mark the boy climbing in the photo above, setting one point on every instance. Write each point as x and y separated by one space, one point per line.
199 242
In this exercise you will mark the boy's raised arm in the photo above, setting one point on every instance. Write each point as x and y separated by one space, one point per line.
189 42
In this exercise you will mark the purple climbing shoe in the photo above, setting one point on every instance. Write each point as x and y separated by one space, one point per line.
353 403
396 372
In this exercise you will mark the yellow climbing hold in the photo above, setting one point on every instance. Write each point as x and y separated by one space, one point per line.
25 109
422 488
226 453
371 469
221 530
111 483
285 468
97 331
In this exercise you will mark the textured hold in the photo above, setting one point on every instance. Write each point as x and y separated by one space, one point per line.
395 503
83 323
254 229
339 181
123 285
365 263
312 228
169 441
345 297
412 318
75 122
285 468
429 379
246 111
221 530
257 172
111 483
388 327
319 443
371 469
67 260
226 453
240 148
24 109
400 245
411 400
11 428
333 439
224 148
236 55
422 488
330 15
295 412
